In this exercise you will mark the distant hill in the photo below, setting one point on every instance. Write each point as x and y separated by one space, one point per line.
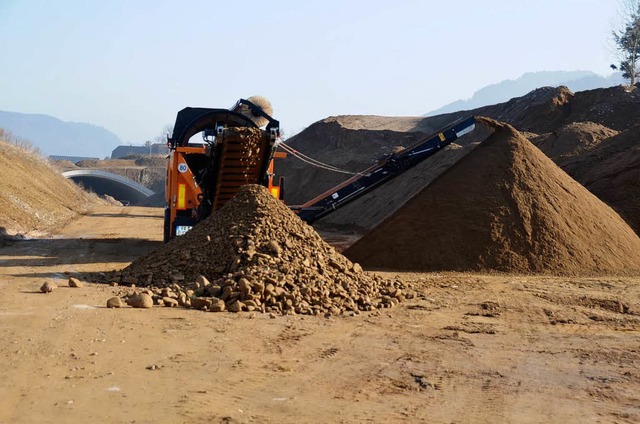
55 137
508 89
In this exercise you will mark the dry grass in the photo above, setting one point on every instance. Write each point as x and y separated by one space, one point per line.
34 197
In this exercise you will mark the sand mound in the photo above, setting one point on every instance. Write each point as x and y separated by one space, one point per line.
33 194
368 211
259 255
381 123
351 143
546 109
571 140
611 171
505 207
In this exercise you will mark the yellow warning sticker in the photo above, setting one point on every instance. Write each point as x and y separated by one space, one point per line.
182 189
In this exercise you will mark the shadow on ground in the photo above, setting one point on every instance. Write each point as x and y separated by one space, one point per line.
37 253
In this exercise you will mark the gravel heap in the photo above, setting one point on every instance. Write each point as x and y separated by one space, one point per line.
256 254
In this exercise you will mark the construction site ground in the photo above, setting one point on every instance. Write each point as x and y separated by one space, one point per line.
470 348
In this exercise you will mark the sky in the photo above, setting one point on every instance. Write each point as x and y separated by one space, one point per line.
130 66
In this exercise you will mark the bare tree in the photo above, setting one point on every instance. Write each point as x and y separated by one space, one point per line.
627 40
166 131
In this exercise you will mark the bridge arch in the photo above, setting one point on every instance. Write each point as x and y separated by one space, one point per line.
117 186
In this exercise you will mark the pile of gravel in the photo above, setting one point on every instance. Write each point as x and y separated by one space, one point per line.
256 254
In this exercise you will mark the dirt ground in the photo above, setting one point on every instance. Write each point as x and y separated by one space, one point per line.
471 348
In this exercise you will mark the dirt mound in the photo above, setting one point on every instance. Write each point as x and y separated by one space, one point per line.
370 210
611 171
381 123
351 143
34 196
259 255
571 140
504 207
546 109
569 123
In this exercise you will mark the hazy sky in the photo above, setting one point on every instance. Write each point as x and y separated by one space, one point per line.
131 65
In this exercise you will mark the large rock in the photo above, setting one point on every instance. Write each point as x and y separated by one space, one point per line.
141 300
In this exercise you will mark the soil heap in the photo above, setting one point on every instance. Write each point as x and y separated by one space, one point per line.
259 255
571 140
611 171
504 207
347 142
34 196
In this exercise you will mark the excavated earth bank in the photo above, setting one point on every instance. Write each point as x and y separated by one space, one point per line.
259 255
34 197
611 171
504 207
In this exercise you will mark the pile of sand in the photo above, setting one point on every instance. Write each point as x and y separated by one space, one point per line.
571 140
351 143
569 124
504 207
611 171
546 109
259 255
370 210
34 196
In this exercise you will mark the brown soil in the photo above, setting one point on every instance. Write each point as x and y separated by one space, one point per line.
469 348
504 207
611 171
370 210
546 109
259 255
345 143
63 164
571 140
569 124
34 197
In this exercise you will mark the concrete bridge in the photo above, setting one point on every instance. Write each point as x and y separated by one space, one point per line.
117 186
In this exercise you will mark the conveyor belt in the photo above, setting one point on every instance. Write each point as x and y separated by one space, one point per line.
244 155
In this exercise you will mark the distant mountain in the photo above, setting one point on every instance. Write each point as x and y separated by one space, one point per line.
505 90
55 137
